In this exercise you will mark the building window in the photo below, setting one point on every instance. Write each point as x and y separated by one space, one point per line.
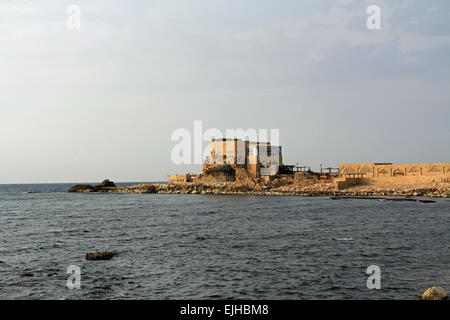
251 151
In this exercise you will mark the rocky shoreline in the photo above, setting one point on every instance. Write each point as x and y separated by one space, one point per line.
259 189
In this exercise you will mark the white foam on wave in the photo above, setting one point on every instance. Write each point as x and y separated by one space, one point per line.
345 239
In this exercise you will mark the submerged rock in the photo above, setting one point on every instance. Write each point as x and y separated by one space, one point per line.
103 255
82 188
103 287
28 275
435 293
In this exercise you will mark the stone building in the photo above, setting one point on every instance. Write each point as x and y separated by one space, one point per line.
180 178
259 158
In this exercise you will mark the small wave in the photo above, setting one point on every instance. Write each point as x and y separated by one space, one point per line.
44 192
344 239
55 230
3 264
207 213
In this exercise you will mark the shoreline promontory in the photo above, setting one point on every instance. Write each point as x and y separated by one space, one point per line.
273 188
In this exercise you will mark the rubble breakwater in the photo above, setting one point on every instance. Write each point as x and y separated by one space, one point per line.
272 189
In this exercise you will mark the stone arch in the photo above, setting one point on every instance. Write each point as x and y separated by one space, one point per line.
435 169
414 171
398 173
349 170
365 169
383 172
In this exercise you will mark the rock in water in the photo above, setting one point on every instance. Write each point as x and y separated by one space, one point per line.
82 188
435 293
104 255
28 275
106 184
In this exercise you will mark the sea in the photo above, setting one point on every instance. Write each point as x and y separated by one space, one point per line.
218 247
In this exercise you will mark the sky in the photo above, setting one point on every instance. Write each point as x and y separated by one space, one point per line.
102 101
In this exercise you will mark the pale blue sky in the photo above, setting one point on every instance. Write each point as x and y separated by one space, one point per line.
102 102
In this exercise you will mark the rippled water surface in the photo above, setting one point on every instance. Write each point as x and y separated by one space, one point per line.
219 247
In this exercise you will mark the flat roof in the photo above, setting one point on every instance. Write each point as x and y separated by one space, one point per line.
250 142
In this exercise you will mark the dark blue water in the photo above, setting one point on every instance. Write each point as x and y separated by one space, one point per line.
219 247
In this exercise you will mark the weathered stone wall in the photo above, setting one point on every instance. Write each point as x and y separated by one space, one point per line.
404 180
180 178
392 174
344 184
253 169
